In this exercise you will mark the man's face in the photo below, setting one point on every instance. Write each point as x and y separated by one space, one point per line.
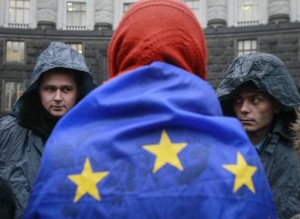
58 92
255 110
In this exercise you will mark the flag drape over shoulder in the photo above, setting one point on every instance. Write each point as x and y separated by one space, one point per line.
151 143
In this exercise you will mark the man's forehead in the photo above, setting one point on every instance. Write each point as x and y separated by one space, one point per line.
250 91
57 78
247 87
58 72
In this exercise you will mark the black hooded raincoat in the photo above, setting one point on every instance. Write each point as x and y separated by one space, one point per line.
270 75
23 133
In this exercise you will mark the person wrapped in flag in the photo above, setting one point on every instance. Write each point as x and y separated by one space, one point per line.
152 142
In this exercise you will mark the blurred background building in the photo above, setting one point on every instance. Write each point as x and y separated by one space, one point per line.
232 28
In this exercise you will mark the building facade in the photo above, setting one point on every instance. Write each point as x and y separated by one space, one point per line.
232 28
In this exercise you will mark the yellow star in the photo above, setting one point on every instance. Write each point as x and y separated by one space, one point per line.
166 152
87 181
243 173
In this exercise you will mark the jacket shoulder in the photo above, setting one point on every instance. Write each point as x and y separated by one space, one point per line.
10 131
7 123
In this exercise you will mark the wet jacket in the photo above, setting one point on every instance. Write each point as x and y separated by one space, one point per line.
24 132
270 75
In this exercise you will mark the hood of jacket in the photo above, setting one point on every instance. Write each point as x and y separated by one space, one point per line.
267 72
56 55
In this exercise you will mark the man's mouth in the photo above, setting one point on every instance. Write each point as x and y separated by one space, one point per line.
247 121
57 108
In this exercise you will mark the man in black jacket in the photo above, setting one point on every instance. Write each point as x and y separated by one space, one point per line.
59 80
260 92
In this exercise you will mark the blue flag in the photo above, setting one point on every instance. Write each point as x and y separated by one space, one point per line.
151 143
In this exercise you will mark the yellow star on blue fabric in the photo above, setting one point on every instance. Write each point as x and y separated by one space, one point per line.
166 152
87 181
243 173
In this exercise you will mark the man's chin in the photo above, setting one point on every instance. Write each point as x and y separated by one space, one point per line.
57 114
249 128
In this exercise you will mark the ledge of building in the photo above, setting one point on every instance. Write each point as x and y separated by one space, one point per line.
38 32
107 33
270 27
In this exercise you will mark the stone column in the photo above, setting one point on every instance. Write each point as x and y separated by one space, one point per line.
103 14
278 10
46 13
216 13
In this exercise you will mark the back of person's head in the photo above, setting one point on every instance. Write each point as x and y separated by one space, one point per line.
7 201
264 71
158 30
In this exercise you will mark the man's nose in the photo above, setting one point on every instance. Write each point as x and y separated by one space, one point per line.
245 107
58 96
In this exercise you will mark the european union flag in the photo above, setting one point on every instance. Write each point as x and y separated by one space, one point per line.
151 143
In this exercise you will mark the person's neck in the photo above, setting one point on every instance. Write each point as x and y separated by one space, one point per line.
50 122
258 136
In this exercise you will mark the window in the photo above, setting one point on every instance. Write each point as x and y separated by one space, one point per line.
15 51
76 15
77 47
248 13
12 90
120 8
18 13
126 6
295 10
246 47
199 9
193 5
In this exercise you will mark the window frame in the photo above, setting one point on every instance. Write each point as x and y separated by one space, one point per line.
118 11
4 104
62 15
76 44
237 51
233 13
294 10
15 61
32 19
201 12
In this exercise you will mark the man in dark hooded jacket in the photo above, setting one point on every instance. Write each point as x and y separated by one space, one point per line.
260 92
59 80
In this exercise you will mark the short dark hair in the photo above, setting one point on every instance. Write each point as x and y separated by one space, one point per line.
78 75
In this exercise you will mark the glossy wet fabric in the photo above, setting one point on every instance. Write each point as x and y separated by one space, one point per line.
281 164
21 147
152 143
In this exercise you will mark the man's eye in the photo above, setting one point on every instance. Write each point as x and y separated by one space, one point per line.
256 99
50 89
237 100
67 89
